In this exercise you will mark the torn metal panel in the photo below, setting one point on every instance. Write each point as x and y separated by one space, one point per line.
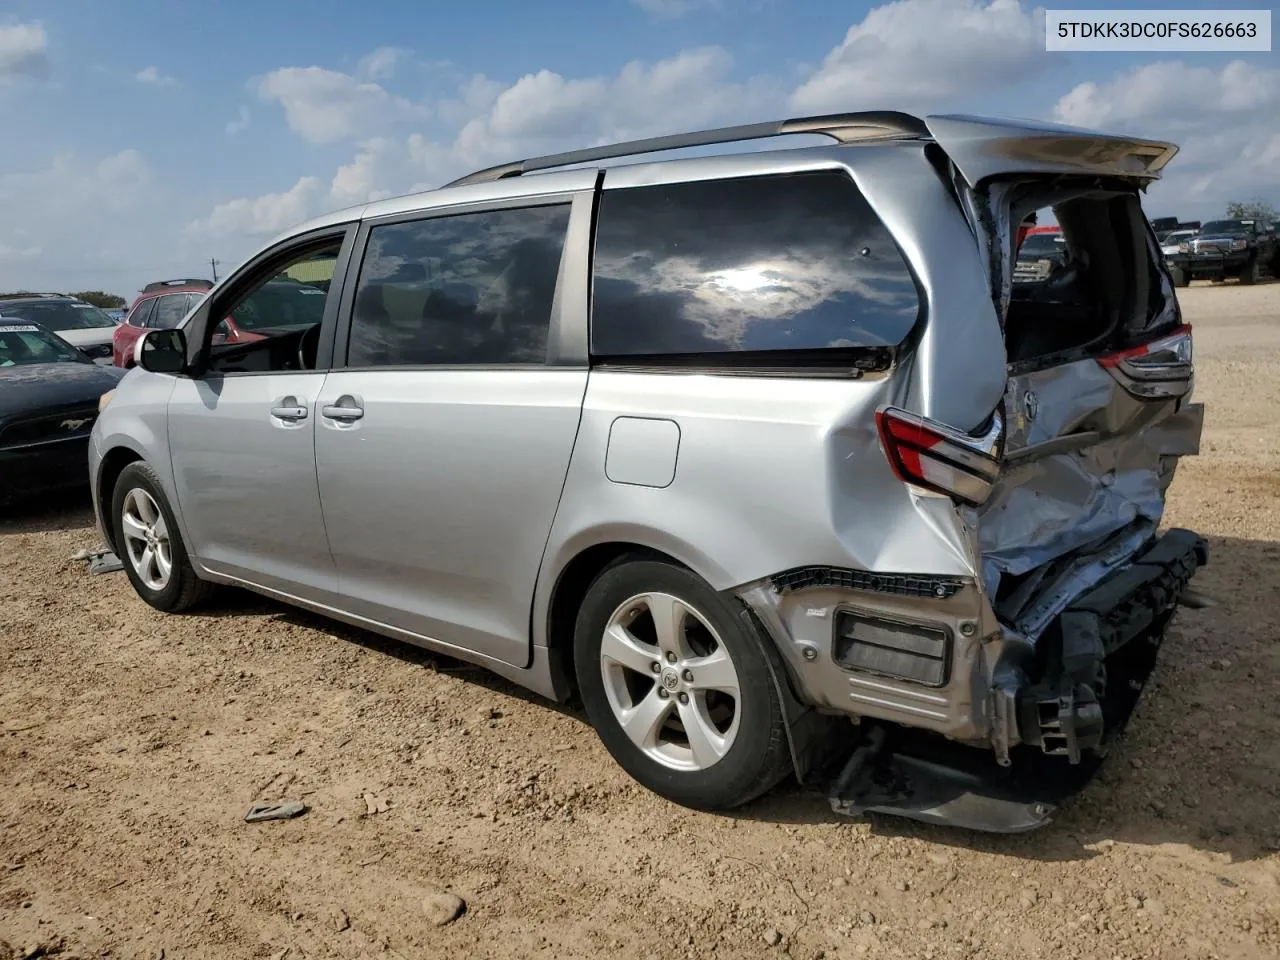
1084 460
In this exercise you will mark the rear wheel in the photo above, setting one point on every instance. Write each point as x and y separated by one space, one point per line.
677 688
149 545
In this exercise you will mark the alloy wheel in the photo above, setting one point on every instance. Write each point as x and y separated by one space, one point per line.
670 681
146 539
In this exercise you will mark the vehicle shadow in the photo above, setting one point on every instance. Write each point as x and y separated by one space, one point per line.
1199 763
48 512
242 603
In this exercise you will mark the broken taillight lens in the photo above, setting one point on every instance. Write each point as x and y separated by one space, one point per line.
931 455
1160 369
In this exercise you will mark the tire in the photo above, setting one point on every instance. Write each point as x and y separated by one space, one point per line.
741 748
1181 277
1251 273
136 496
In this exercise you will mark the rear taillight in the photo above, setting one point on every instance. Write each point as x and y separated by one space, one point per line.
1160 369
931 455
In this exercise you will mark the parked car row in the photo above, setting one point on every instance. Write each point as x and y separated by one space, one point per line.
1243 248
1218 250
81 324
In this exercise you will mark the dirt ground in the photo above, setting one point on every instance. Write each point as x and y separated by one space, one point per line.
132 744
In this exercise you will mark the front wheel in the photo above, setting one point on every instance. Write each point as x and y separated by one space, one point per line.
677 688
149 545
1252 272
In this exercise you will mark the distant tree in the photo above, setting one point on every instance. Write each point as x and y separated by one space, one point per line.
107 301
1251 210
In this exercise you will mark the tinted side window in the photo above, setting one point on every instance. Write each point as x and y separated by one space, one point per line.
142 314
169 310
475 288
785 262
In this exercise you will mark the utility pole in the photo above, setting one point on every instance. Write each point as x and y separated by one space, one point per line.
213 265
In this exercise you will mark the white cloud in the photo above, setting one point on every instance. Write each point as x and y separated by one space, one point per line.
24 51
365 177
239 124
324 106
538 113
80 223
1226 122
545 111
258 216
382 62
153 77
920 53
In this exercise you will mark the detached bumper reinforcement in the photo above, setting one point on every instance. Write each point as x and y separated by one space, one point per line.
1109 640
959 791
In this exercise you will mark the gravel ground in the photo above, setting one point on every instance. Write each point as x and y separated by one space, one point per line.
131 745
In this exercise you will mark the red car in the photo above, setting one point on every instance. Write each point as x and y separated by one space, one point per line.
162 305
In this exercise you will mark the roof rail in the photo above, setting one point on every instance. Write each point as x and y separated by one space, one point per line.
841 127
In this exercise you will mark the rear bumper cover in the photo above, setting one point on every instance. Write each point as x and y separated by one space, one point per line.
1105 645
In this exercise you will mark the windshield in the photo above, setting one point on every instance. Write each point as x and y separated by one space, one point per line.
27 343
280 304
59 314
1227 228
1041 245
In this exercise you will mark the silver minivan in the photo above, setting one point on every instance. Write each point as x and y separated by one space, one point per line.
762 454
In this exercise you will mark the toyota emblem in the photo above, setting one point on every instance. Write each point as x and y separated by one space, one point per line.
1031 404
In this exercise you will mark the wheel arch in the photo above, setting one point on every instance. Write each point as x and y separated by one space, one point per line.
568 591
113 463
808 733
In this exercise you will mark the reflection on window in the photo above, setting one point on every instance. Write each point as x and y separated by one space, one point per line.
469 289
789 262
30 347
60 314
280 303
169 310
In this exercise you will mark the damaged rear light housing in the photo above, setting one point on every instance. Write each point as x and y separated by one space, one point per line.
1161 369
939 458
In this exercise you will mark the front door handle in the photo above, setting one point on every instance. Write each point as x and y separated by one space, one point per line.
346 410
289 409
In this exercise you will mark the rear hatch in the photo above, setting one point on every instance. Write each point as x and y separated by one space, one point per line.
1097 405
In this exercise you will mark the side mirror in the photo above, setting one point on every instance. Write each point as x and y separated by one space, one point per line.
162 351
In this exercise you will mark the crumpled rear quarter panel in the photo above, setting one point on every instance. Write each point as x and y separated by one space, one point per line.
1044 507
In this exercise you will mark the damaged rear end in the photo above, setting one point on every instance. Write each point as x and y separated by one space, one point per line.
1062 488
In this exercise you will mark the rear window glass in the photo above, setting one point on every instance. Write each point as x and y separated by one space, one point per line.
793 262
169 310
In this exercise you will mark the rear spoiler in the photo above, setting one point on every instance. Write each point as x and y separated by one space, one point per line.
982 148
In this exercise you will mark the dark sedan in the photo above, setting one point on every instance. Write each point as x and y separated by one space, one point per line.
49 394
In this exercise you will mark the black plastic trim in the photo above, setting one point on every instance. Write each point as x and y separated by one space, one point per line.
899 584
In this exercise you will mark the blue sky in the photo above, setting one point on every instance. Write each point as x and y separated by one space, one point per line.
143 137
